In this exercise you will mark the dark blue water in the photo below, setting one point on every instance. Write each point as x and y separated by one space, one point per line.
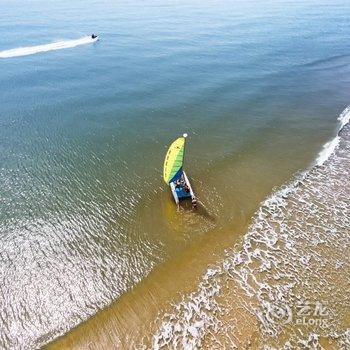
84 214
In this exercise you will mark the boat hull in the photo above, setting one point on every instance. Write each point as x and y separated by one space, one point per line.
179 192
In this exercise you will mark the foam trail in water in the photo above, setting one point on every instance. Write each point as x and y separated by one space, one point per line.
31 50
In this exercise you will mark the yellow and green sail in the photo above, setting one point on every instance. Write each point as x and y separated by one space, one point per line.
174 160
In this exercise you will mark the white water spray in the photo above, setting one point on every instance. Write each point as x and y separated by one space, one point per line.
31 50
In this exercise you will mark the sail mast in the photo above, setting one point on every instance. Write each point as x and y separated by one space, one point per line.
184 135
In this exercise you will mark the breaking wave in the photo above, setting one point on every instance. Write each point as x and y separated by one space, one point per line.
330 146
295 253
31 50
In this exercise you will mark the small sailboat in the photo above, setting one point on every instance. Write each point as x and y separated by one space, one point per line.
173 173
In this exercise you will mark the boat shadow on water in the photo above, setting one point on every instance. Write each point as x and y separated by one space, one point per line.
200 211
185 207
183 219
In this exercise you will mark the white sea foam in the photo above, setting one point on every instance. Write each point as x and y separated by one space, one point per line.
329 147
31 50
327 150
344 118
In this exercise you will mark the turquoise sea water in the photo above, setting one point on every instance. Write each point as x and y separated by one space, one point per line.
257 85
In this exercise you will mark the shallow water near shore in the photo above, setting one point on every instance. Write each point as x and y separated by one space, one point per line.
283 285
85 220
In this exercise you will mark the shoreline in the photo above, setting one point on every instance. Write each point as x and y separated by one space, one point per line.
152 296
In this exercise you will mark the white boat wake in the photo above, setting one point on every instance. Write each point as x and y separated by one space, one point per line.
31 50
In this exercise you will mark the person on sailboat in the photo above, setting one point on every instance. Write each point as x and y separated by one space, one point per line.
194 203
178 183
